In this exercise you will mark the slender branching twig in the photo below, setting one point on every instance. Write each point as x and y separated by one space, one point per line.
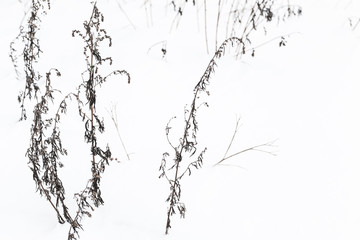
217 23
233 137
113 115
163 48
148 10
354 24
126 15
259 147
205 26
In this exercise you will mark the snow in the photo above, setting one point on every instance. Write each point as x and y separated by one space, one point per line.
305 94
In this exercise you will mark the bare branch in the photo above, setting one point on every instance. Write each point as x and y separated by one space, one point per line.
233 137
254 148
113 114
125 14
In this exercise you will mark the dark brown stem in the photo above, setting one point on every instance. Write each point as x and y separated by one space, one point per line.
91 78
187 123
49 199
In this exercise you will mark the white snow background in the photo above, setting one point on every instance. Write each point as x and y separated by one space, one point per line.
305 94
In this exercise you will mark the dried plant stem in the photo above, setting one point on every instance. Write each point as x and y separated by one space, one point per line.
60 218
217 24
92 105
113 115
188 141
148 11
75 223
228 21
197 17
356 24
205 25
44 151
273 39
179 158
125 14
172 202
258 12
99 158
233 137
253 148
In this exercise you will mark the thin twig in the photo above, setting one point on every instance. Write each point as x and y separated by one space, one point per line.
217 24
113 116
271 40
230 12
357 23
125 14
233 137
206 34
254 148
155 44
149 18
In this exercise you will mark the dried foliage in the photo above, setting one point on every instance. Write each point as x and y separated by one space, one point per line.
238 18
46 144
184 151
44 153
30 53
178 7
253 14
91 197
92 38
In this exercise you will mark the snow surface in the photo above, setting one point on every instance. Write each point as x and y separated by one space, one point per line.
306 95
